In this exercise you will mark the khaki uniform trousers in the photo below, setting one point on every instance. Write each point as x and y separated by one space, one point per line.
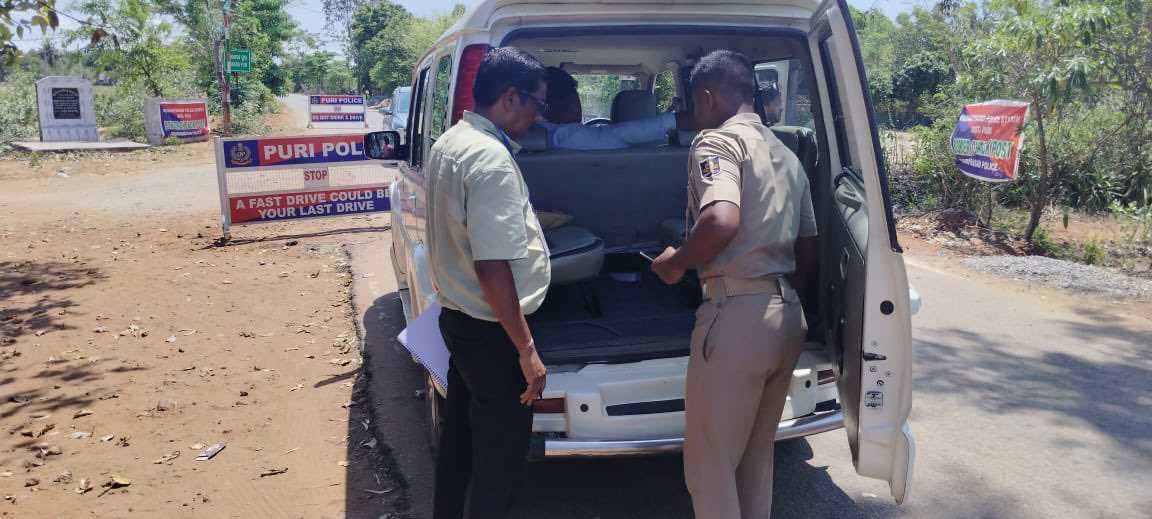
748 336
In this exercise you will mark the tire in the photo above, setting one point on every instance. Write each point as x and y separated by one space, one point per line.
435 406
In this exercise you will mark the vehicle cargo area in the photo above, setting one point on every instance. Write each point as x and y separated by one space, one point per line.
641 318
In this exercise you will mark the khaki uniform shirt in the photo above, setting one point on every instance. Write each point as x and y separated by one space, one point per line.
744 163
478 209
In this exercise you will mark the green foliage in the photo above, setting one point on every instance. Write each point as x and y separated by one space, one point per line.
665 89
393 40
374 41
41 14
18 115
1093 254
133 43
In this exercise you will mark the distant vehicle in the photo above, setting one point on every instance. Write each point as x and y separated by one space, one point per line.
396 113
614 339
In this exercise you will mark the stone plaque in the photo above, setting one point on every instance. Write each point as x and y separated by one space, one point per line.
67 109
66 103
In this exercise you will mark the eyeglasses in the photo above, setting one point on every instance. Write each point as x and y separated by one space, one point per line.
541 106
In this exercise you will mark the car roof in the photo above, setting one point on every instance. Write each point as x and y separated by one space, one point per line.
485 13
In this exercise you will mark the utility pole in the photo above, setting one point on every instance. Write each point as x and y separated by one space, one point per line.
226 87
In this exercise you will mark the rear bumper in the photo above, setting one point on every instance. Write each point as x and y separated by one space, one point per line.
563 448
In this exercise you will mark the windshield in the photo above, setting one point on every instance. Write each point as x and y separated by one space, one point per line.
400 102
598 90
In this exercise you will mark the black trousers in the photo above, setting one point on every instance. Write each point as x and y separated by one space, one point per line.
486 432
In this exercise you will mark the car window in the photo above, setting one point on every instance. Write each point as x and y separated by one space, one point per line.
416 120
787 77
835 80
598 90
665 89
439 120
400 104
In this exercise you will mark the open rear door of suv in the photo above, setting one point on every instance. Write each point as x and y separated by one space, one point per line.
865 288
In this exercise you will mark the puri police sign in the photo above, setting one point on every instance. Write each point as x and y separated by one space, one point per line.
294 151
987 140
270 179
337 111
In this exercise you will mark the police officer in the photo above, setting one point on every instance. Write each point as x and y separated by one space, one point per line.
749 199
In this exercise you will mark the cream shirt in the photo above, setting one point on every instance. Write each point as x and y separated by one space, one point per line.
478 209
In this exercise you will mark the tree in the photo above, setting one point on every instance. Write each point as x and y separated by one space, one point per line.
1042 52
374 36
41 14
134 42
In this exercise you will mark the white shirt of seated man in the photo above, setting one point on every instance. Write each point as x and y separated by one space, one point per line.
563 118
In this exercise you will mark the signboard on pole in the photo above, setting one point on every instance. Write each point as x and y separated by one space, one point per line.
182 119
239 60
337 111
269 179
987 140
67 109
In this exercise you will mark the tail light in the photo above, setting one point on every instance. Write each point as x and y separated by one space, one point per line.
470 61
825 376
548 406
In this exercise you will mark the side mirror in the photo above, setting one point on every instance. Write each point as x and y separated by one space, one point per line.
383 145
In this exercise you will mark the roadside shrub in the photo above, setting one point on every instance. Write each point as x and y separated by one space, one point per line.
18 115
120 111
1093 254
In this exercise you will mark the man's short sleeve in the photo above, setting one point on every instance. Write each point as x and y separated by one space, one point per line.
715 175
494 202
805 214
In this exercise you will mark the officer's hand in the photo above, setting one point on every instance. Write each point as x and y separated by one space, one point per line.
535 374
666 269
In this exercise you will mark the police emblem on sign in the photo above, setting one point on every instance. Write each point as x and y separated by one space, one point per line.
240 154
709 167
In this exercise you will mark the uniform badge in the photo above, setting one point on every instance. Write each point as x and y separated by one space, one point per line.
709 167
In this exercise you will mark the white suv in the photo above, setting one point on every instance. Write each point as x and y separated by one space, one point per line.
614 338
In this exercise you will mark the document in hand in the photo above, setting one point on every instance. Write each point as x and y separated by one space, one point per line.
423 339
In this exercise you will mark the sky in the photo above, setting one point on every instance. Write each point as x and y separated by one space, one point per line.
310 15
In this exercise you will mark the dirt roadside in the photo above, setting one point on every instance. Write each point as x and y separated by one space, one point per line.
130 342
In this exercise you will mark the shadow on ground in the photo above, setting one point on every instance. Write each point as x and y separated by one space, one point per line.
31 298
1107 388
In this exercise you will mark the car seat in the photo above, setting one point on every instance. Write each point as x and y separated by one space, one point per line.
576 256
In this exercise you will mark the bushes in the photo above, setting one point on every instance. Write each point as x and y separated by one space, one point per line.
18 115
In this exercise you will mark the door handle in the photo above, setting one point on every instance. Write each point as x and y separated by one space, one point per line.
849 198
844 257
412 197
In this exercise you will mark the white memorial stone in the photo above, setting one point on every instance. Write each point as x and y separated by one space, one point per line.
67 109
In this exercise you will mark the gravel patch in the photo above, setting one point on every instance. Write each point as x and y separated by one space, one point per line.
1061 274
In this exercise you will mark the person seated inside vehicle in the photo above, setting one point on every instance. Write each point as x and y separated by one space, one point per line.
772 103
562 121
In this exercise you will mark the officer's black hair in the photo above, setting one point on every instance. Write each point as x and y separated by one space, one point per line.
504 68
725 72
561 85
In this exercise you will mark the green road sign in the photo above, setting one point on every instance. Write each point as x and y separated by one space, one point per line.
240 60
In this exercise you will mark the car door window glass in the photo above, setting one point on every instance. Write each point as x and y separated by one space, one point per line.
836 83
416 118
439 121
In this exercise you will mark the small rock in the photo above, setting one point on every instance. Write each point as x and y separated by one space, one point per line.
64 477
31 482
165 405
243 393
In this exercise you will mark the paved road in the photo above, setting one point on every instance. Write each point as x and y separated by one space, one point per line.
1027 404
298 103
